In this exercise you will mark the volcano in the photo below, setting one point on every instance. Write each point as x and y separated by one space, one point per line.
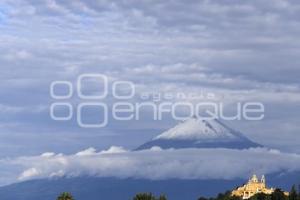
200 133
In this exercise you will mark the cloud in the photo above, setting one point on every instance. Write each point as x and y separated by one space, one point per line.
156 164
114 149
240 50
86 152
27 174
92 151
16 109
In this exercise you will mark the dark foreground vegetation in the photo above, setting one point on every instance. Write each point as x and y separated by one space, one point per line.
276 195
148 196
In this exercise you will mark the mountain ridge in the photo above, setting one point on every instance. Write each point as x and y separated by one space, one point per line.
84 188
200 133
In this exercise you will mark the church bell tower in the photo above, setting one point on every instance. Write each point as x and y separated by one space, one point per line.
263 179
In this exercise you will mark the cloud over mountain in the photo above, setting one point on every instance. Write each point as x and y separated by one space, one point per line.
239 50
154 164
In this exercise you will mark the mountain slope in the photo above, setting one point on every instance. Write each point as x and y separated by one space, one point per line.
197 133
94 188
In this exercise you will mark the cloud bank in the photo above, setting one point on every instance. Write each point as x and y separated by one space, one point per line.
154 164
240 50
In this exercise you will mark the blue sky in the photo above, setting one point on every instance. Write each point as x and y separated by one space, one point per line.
236 49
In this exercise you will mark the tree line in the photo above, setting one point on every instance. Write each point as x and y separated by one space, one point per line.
140 196
276 195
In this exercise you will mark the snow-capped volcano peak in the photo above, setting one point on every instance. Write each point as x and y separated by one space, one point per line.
200 133
198 129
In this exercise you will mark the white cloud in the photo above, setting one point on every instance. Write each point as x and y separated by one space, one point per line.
156 148
242 50
92 151
49 154
114 149
157 164
29 173
7 109
86 152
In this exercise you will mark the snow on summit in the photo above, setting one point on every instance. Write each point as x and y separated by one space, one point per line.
196 129
200 133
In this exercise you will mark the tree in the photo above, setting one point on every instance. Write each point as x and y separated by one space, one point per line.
148 196
234 198
65 196
298 192
202 198
226 196
278 195
162 197
260 196
293 193
222 196
144 196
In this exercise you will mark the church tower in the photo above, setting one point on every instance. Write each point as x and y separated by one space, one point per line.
263 179
254 179
253 187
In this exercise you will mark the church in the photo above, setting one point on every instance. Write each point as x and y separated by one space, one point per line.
252 187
